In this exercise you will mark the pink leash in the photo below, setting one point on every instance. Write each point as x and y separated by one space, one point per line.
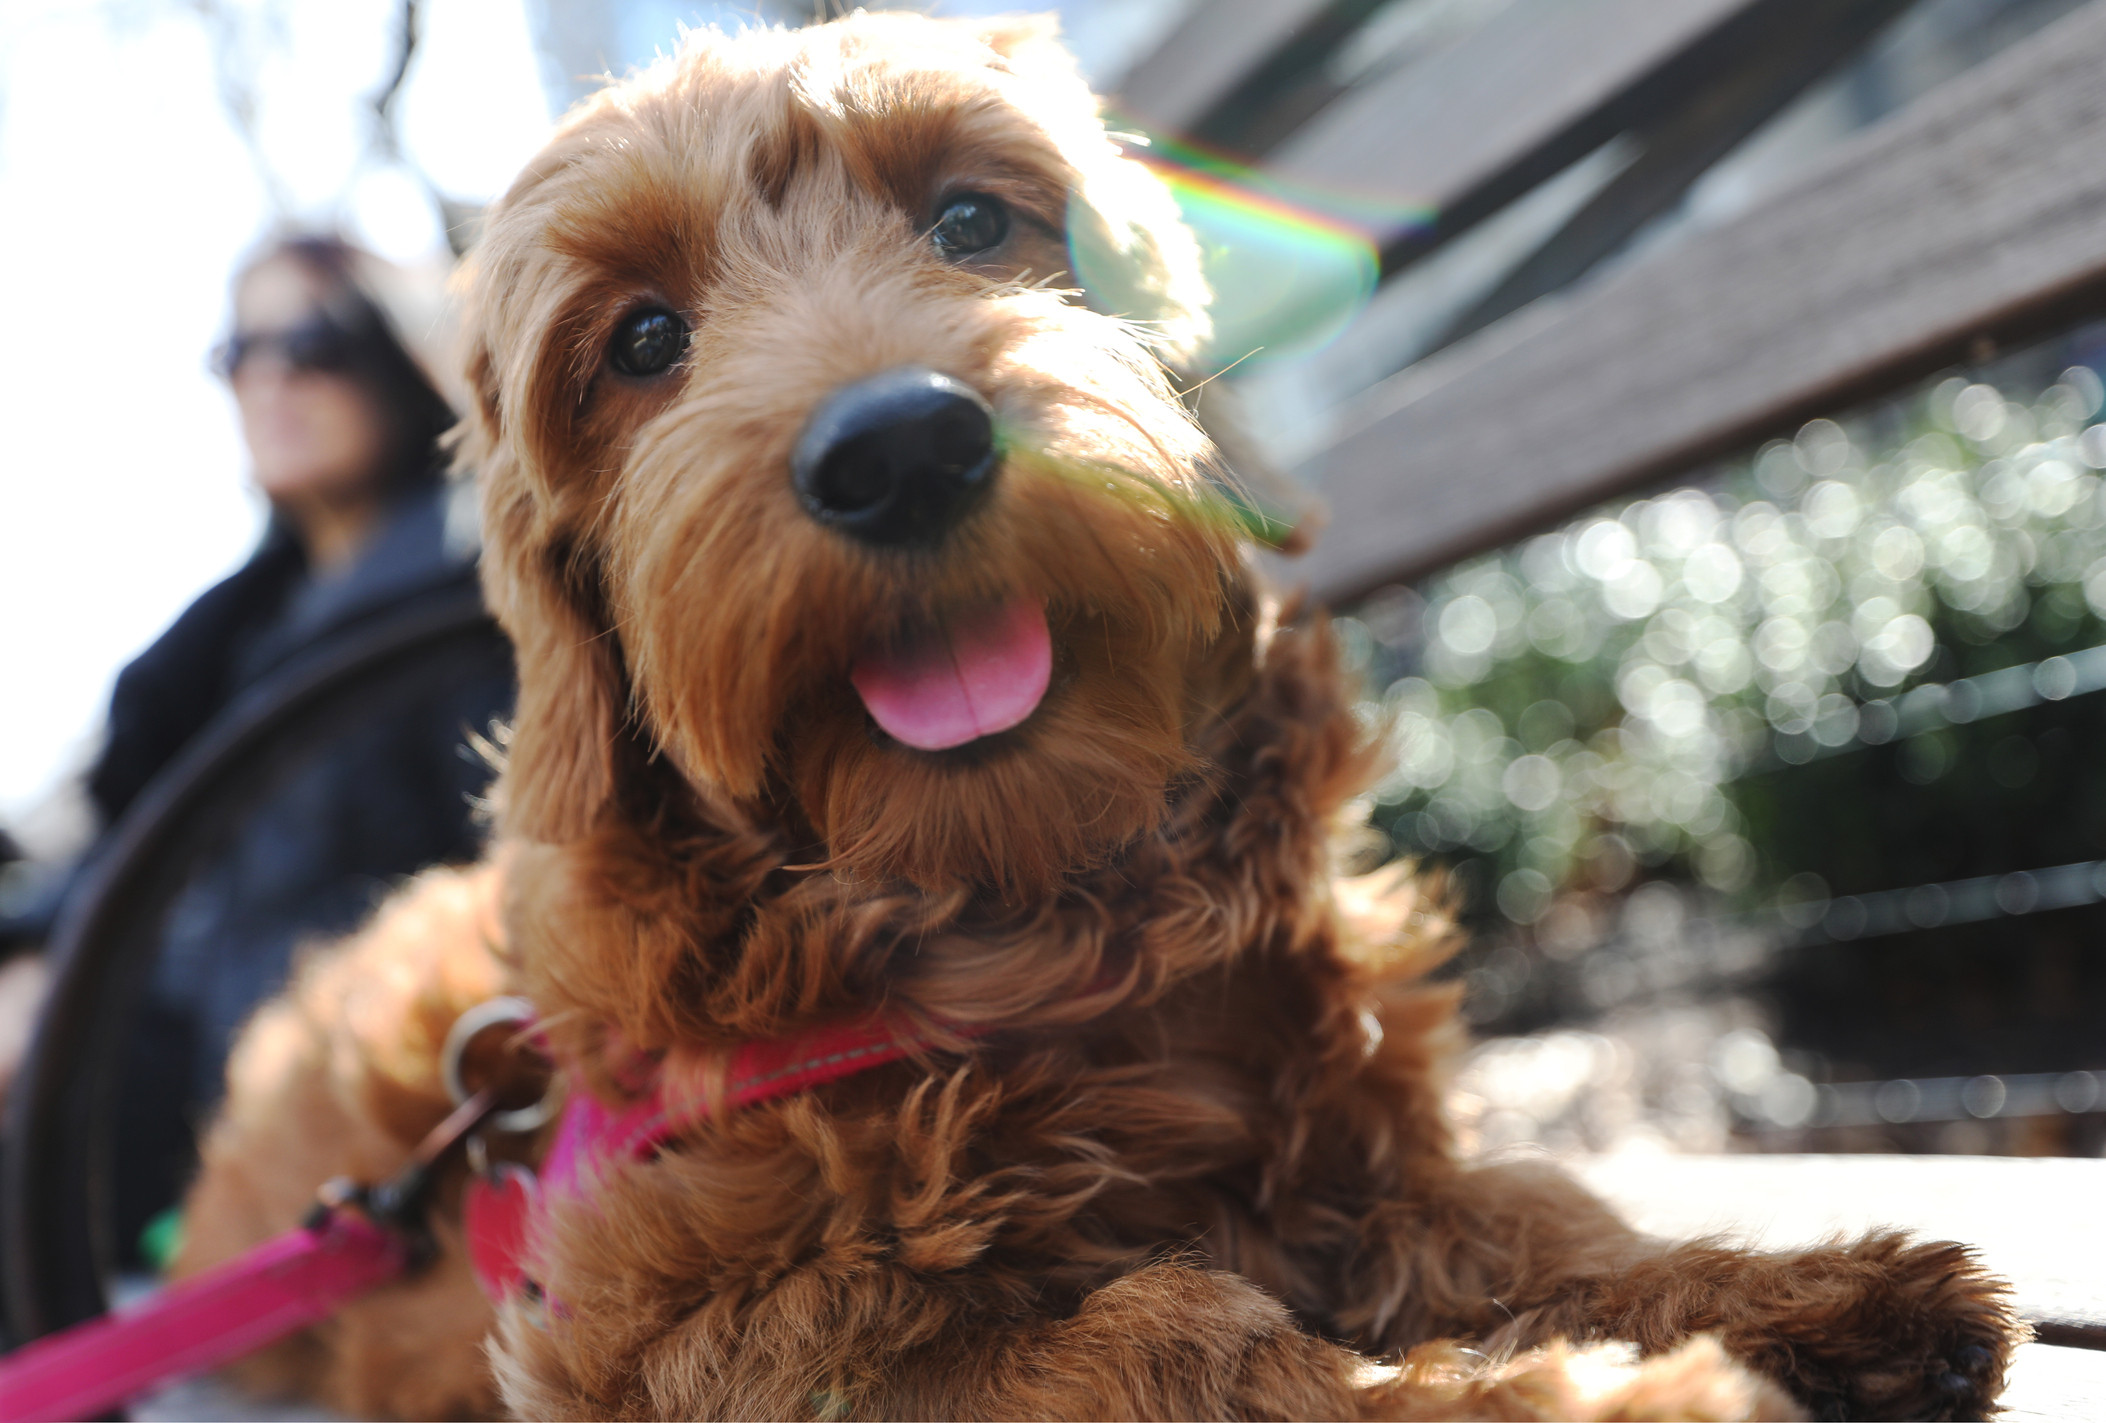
356 1237
360 1238
212 1319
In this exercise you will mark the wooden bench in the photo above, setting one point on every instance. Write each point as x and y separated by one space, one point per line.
1973 218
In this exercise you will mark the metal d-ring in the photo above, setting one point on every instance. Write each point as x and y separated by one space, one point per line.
491 1013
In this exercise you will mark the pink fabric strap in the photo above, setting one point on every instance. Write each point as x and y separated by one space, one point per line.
303 1276
200 1323
503 1209
593 1133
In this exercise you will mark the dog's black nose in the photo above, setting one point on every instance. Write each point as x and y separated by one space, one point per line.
897 458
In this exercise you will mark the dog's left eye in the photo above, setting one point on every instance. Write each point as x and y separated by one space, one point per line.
647 342
969 223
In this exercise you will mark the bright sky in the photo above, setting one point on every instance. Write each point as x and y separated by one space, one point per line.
126 198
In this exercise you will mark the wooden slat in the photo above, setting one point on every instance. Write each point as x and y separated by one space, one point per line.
1978 213
1531 91
2035 1221
1218 45
1681 145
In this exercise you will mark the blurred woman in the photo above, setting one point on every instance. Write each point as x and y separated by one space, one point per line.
342 422
342 425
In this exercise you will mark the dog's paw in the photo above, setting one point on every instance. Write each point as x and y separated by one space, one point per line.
1602 1383
1891 1328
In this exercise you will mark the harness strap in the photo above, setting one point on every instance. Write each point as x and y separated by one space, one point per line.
502 1207
305 1275
593 1134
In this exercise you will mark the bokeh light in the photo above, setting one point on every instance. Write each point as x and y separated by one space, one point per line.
1589 697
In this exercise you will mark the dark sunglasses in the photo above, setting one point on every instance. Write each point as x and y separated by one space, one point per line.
318 345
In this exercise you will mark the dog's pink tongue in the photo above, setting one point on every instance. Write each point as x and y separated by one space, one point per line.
971 677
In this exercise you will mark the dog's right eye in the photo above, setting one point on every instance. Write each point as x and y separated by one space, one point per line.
969 223
647 342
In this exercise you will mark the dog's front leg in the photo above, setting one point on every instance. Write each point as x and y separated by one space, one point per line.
1171 1341
1515 1255
832 1340
837 1340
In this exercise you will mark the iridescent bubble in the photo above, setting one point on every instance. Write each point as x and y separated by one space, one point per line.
1289 267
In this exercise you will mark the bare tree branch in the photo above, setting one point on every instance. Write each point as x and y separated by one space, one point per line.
408 28
236 57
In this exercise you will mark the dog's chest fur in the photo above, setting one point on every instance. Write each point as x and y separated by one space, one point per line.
1234 1108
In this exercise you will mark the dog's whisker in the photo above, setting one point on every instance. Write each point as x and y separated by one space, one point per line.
1203 383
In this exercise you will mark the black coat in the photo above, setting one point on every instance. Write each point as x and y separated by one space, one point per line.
330 834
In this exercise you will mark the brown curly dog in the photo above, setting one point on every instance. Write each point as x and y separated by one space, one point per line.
885 642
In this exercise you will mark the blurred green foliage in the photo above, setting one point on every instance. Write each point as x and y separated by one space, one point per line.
1642 689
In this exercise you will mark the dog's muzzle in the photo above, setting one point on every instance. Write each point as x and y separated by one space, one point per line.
897 458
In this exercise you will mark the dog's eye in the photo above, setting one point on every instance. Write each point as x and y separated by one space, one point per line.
647 342
969 223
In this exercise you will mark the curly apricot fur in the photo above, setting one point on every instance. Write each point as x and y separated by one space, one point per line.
1197 1165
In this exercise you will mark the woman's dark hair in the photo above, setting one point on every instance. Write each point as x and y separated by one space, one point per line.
417 414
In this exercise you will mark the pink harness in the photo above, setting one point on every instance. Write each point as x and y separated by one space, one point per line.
502 1206
357 1240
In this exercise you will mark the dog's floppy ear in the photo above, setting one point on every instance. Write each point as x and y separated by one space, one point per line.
559 770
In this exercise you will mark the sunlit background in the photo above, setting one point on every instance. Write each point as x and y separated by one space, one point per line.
130 192
146 144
